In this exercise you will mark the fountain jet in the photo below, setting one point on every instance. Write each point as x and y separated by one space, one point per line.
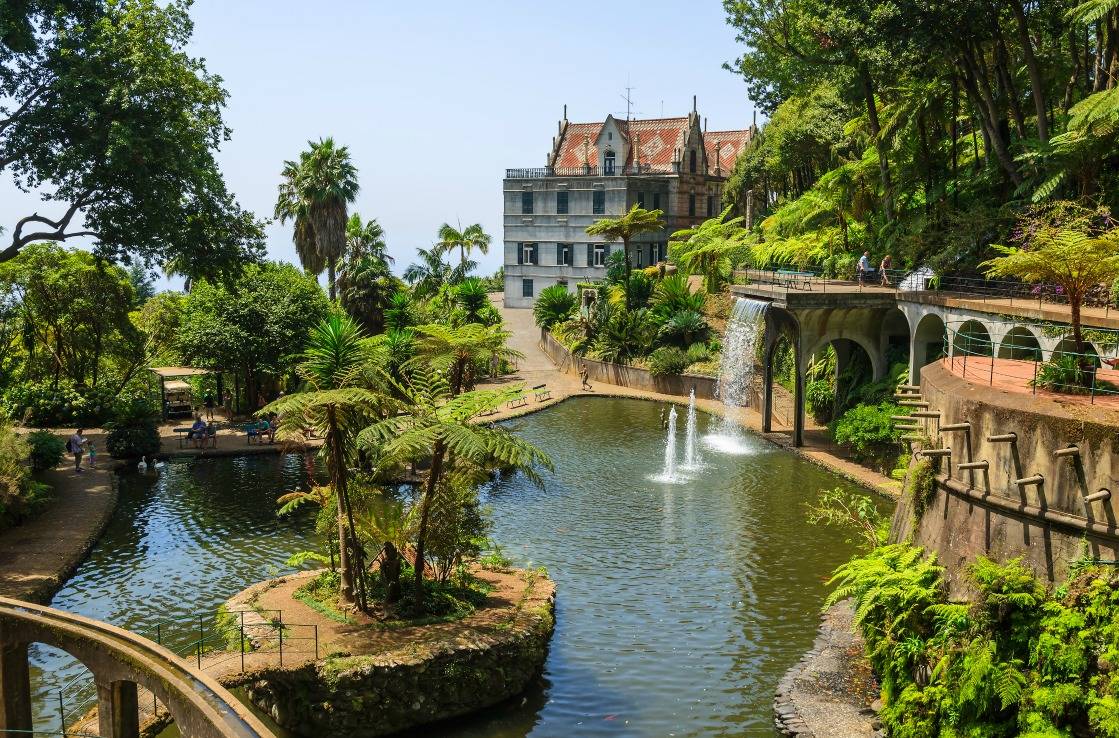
669 475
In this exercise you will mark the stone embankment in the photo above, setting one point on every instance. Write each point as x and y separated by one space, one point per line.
375 680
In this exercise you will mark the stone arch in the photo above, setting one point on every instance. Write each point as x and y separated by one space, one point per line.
780 323
1020 343
1067 346
877 361
896 338
971 338
927 344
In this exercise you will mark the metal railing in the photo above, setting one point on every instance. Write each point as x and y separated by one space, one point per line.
1021 359
193 639
588 170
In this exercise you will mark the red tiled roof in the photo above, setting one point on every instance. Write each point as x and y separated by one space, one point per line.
659 138
730 143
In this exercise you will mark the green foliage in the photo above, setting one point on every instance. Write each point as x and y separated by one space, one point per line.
819 396
627 334
853 512
711 248
616 268
673 295
869 433
638 290
1061 373
684 329
553 305
459 529
1018 660
921 488
46 450
20 496
667 361
132 440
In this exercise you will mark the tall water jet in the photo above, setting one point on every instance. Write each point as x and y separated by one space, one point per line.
736 371
691 454
668 474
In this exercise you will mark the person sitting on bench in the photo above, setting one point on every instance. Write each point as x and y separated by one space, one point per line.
197 431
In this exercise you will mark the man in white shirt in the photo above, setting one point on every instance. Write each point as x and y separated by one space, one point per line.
76 446
864 266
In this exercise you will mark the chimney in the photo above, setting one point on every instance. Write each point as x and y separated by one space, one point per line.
693 104
718 157
565 111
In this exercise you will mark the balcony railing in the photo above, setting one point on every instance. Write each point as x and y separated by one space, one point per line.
591 171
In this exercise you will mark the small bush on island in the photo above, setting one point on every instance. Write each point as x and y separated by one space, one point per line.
1017 660
46 450
867 430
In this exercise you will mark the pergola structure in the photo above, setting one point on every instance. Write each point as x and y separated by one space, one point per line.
175 393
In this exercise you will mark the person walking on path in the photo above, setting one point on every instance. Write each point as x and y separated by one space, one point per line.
864 267
884 268
76 446
584 375
208 401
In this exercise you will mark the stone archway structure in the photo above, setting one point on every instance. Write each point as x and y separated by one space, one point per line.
120 662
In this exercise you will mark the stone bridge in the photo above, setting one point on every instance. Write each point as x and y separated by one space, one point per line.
887 324
120 661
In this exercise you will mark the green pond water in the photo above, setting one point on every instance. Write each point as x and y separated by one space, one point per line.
679 605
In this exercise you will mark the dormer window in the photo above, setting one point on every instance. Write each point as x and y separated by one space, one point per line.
691 161
608 163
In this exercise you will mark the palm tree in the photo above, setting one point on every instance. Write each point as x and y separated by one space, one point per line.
429 274
705 249
366 240
464 240
457 351
336 400
366 289
633 223
439 426
315 193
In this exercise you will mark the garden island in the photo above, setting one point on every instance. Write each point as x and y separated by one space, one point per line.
801 426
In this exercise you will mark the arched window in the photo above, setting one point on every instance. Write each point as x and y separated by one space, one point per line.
691 161
608 162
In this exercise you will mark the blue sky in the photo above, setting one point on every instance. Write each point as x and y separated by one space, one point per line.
436 99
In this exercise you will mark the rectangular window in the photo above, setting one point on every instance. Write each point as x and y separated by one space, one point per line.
561 202
526 202
710 205
599 255
526 288
563 254
640 256
641 200
529 254
691 205
656 201
598 206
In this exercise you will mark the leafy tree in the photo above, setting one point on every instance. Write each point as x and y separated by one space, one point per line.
553 305
634 223
366 240
438 425
710 247
315 193
253 326
471 238
108 117
473 302
1064 244
338 399
433 273
464 352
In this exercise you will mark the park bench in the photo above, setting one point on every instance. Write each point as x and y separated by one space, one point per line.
518 402
795 279
542 392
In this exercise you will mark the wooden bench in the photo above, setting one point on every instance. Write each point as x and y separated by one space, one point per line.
542 392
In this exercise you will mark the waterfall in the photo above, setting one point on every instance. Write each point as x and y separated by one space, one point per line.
736 372
668 474
691 455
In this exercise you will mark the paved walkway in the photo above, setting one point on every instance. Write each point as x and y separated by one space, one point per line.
1014 375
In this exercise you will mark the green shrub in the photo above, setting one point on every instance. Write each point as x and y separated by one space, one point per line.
638 290
869 433
819 396
47 449
666 361
553 305
132 440
684 329
626 335
1062 373
698 352
20 496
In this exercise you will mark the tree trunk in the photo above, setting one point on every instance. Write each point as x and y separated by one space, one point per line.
1037 86
625 253
875 128
425 509
346 590
955 141
984 103
331 263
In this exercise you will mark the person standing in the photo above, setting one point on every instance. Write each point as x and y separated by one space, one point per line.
884 270
585 376
864 266
208 401
76 445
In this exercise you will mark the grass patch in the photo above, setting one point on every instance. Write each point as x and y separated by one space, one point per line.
321 595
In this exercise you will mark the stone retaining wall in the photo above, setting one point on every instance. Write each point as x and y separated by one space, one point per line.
986 513
430 680
627 376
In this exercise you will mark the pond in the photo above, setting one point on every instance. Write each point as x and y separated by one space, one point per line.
679 605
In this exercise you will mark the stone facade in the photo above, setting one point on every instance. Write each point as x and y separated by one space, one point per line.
600 170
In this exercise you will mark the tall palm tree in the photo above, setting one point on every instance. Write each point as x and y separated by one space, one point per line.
430 273
633 223
315 193
336 401
439 427
366 240
365 290
457 351
473 237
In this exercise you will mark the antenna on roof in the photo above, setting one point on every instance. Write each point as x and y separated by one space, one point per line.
628 97
693 104
565 111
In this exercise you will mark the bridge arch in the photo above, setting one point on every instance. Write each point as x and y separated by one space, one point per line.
1067 346
972 338
1020 343
120 661
927 344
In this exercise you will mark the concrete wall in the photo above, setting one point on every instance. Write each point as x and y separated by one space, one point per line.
977 513
628 376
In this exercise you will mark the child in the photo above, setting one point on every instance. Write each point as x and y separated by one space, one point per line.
92 451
